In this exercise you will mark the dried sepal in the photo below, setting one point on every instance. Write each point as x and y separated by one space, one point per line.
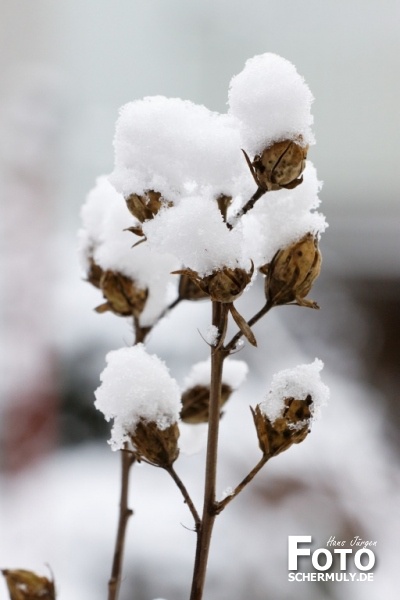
27 585
243 325
157 446
123 296
94 273
291 428
224 203
190 290
196 403
280 165
144 206
292 272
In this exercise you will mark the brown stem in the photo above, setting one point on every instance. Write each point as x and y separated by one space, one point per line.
232 344
185 495
221 505
248 206
127 460
220 315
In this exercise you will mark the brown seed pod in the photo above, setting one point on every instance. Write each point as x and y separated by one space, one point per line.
124 297
224 285
280 165
155 445
196 403
291 428
292 272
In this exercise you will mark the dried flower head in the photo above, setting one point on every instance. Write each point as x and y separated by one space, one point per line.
290 428
196 402
155 445
224 285
124 297
292 272
279 166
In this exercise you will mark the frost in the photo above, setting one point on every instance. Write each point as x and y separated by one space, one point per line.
105 218
234 373
174 147
297 383
195 233
136 385
271 102
226 493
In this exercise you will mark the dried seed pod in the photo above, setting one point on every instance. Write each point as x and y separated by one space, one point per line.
27 585
123 296
291 428
196 402
280 165
224 285
292 272
157 446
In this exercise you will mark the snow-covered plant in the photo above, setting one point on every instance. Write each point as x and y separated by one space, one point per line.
215 201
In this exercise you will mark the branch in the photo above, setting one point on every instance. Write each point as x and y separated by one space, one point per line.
185 495
232 344
221 505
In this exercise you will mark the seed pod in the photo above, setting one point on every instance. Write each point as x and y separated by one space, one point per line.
291 428
157 446
196 403
224 285
292 272
124 297
280 165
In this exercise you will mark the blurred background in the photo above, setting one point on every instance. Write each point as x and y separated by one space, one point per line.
66 69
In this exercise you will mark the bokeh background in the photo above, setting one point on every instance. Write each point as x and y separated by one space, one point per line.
66 68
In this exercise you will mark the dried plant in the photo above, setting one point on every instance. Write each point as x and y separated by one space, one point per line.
182 185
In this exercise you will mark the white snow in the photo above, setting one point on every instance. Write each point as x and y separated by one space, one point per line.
136 385
195 233
282 217
211 335
297 383
174 146
271 102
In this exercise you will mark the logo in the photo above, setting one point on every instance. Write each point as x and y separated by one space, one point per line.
353 559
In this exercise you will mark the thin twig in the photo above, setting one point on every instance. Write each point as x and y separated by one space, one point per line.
185 495
221 505
248 206
127 460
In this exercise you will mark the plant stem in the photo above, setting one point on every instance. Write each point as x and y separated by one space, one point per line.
221 505
185 495
127 460
220 316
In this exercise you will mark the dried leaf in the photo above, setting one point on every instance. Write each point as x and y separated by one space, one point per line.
243 326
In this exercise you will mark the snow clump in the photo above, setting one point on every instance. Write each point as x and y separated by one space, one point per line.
298 383
136 386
